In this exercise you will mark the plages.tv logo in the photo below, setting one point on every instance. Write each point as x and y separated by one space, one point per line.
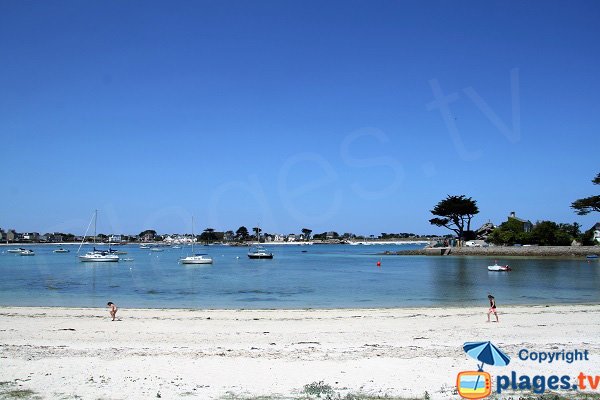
478 384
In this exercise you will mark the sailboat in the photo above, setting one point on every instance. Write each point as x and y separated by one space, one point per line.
202 258
97 255
259 251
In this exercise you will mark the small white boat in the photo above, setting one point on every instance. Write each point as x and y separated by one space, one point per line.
99 256
197 259
144 246
499 268
128 259
27 253
260 252
16 251
61 250
176 247
157 249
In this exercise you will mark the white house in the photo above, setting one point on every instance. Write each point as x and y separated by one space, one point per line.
596 237
278 238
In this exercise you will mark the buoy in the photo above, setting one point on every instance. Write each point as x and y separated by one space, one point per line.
379 263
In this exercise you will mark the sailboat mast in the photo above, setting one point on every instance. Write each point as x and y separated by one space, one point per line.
95 220
193 238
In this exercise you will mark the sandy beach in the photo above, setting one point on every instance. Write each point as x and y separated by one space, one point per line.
211 354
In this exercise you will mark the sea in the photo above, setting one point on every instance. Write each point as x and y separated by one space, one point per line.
298 277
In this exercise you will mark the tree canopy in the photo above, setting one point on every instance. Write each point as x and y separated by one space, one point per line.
588 204
306 233
544 233
456 213
242 233
150 232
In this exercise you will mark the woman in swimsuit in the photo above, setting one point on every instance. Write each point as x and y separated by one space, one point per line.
492 309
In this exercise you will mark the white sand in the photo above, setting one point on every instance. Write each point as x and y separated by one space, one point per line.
59 353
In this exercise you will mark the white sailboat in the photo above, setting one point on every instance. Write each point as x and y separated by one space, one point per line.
259 252
97 255
202 258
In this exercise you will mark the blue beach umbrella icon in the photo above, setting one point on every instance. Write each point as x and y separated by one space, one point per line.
487 353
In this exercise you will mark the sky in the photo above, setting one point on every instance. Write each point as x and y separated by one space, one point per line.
352 116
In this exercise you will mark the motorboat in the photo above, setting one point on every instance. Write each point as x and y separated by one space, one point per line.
16 251
27 252
197 259
157 249
61 250
259 252
499 268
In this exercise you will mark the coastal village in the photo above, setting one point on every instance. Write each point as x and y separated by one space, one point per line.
482 237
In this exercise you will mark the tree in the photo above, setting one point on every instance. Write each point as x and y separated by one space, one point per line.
257 232
456 213
548 233
148 234
588 204
242 233
306 232
208 235
320 236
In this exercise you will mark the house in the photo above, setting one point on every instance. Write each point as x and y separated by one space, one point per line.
148 237
485 230
278 238
31 236
2 235
55 237
596 232
12 235
331 235
114 239
526 224
291 237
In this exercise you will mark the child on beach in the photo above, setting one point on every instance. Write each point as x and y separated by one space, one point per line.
492 309
113 309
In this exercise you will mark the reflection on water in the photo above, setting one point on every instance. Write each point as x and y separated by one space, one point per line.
298 277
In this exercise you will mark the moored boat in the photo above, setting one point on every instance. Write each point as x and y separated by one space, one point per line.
61 250
259 252
27 252
196 258
97 255
499 268
202 258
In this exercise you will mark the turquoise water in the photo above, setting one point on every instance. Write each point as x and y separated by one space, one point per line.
326 276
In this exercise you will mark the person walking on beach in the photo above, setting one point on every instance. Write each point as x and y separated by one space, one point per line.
492 309
113 309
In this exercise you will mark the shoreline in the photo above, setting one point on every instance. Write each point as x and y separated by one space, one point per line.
212 354
504 251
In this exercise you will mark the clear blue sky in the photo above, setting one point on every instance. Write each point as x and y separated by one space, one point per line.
293 114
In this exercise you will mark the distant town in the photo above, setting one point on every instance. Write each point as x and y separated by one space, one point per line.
513 231
209 235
